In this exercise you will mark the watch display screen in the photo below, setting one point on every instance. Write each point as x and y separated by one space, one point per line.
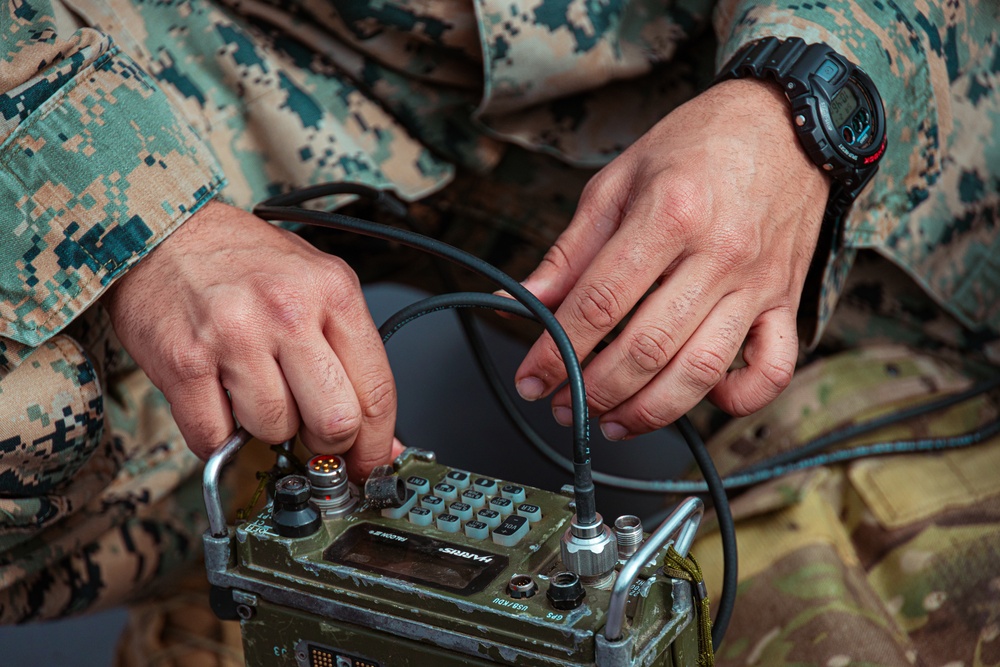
841 106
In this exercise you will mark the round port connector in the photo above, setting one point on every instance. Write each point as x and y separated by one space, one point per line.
848 134
294 515
565 591
628 530
331 490
521 586
590 551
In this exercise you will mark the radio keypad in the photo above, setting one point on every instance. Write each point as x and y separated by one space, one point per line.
491 518
479 507
502 505
533 513
445 491
462 510
475 498
486 485
477 530
513 493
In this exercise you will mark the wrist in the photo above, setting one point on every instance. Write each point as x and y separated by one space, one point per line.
771 122
836 112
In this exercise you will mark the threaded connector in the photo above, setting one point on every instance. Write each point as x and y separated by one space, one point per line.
591 551
628 530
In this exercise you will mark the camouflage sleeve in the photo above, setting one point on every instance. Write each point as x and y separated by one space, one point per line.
924 209
96 168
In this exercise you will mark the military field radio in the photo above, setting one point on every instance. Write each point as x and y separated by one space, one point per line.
428 565
437 566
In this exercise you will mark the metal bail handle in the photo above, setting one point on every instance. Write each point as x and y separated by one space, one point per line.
683 522
217 526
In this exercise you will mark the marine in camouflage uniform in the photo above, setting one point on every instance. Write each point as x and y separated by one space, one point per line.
118 121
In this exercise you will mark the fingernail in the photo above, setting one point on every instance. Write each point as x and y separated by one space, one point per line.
614 431
530 388
563 415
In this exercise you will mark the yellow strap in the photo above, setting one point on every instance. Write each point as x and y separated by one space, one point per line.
690 567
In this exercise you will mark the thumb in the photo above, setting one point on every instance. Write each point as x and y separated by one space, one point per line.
397 448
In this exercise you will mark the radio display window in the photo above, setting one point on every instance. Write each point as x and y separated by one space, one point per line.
416 558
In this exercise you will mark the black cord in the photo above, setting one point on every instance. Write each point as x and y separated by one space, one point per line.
727 528
281 208
855 430
275 209
698 450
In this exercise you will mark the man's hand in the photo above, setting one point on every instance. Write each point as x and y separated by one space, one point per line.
718 209
230 303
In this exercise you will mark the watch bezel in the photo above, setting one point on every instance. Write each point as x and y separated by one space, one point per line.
859 158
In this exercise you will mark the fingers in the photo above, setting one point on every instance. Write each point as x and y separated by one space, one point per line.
330 413
351 332
260 397
657 330
598 214
614 282
202 413
699 365
770 353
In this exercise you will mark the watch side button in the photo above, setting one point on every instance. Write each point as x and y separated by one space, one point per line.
800 120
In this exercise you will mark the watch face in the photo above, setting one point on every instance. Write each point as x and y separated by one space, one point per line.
843 105
851 111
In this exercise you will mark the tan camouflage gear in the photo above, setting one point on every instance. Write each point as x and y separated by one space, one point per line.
884 561
118 120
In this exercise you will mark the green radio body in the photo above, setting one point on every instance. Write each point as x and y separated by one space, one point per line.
402 588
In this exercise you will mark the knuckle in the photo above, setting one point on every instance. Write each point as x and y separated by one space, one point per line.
703 368
189 363
598 305
339 277
739 249
379 399
649 417
275 421
550 362
599 401
650 348
286 305
204 436
341 423
556 258
231 315
777 374
679 203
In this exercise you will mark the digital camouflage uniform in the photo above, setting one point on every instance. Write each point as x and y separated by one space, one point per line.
119 120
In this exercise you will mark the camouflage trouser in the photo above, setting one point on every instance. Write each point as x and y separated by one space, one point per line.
98 493
886 561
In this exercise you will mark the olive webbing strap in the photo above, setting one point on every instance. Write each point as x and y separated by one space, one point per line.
689 566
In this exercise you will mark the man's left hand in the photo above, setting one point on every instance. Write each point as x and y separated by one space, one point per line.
715 212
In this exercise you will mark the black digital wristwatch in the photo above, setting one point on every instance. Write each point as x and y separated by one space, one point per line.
837 112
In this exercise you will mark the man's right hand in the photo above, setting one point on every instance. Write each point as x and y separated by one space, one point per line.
230 303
